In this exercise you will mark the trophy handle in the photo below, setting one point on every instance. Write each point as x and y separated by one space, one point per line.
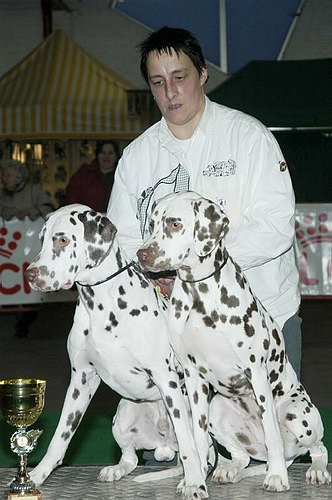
23 442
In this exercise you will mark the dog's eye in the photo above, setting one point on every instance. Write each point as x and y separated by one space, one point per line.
151 226
63 241
176 226
173 224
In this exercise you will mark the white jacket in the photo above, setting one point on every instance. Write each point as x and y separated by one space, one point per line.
236 162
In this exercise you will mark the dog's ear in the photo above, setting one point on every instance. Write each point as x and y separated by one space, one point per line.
210 226
99 234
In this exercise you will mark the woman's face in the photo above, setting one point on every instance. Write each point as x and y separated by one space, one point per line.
107 158
178 90
11 179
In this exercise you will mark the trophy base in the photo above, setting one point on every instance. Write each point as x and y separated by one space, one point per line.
29 495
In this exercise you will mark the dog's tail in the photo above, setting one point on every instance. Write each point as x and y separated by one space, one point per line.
162 474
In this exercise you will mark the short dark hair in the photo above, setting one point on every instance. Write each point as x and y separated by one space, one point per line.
100 144
167 39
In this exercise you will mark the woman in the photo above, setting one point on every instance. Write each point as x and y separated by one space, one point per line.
19 198
92 183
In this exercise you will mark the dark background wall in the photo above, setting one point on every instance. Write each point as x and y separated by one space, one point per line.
309 157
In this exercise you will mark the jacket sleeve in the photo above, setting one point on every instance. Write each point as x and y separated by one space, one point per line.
265 229
122 210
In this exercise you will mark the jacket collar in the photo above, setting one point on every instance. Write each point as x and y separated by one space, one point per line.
205 126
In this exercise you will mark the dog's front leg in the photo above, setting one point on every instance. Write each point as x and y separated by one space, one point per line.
198 394
82 387
193 485
276 478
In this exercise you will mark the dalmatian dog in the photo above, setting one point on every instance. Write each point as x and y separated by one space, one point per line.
224 337
119 335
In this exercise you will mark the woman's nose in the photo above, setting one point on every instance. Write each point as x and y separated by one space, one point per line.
171 91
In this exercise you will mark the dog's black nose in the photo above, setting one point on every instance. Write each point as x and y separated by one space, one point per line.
31 274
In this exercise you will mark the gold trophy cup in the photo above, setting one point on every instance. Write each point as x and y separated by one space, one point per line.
21 402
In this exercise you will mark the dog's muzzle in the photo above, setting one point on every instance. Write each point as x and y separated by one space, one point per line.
146 257
31 274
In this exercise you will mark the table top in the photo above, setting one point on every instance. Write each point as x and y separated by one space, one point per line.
81 483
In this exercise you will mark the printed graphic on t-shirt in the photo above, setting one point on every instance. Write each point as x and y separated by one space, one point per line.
178 178
220 169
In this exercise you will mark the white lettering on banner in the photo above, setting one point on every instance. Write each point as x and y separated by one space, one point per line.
313 247
19 245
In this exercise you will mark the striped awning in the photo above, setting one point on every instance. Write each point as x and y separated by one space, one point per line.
61 91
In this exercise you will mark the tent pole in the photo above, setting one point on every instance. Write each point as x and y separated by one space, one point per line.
46 7
290 31
223 35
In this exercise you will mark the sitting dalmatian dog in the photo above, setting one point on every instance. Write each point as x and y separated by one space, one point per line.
224 337
119 335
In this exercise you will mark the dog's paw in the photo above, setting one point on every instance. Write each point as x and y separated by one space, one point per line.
116 472
317 476
191 492
224 475
39 474
275 483
228 472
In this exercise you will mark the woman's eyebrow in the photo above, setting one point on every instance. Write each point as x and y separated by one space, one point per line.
173 72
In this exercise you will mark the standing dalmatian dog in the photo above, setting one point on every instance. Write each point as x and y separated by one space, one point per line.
119 335
224 337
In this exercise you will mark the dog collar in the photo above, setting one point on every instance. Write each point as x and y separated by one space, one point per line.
119 271
206 277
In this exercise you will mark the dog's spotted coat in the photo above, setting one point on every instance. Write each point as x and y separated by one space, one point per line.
120 336
224 337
